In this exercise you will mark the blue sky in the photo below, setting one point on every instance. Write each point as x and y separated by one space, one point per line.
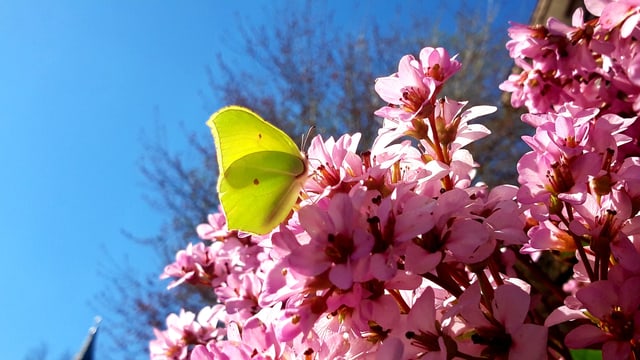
79 82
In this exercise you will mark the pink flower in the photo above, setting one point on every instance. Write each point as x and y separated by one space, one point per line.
259 334
506 334
614 13
280 283
196 265
339 239
452 128
393 253
216 228
437 64
410 92
604 224
570 63
526 40
185 331
548 236
503 216
424 328
456 231
545 179
167 346
224 350
299 317
240 293
335 165
614 308
452 124
453 132
425 252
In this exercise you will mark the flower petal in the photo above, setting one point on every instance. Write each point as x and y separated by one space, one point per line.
585 335
510 306
529 342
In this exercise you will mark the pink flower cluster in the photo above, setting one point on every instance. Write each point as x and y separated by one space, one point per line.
186 332
579 183
592 65
395 254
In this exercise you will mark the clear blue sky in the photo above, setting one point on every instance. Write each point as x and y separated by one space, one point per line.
79 82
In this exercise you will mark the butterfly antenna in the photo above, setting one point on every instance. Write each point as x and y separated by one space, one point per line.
307 136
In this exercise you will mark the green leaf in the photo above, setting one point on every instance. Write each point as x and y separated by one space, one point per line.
586 354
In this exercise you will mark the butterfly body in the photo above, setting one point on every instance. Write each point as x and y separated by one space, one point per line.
261 170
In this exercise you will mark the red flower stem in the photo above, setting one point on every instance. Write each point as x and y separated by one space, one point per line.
444 281
493 268
487 289
578 242
604 263
447 184
404 308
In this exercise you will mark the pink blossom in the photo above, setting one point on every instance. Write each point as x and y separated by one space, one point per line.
573 63
613 13
299 317
424 328
280 284
546 179
411 90
408 92
215 228
381 309
503 215
452 128
507 334
335 164
185 331
548 236
223 350
240 292
613 306
395 253
526 40
394 224
339 238
196 265
437 64
455 231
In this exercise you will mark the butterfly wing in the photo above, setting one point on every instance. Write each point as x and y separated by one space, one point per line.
261 170
238 131
259 190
